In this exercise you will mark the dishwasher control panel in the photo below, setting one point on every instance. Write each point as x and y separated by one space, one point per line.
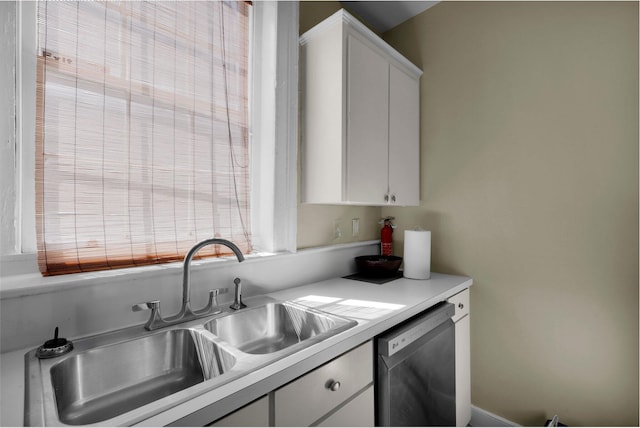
402 336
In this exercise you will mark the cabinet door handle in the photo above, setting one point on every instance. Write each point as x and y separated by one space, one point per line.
460 305
393 198
386 198
333 385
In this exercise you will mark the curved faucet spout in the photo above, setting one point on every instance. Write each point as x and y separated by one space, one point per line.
186 274
186 314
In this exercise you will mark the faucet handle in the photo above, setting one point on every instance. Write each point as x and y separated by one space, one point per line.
213 296
155 317
154 305
212 306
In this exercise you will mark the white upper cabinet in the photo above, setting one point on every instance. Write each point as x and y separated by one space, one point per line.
360 117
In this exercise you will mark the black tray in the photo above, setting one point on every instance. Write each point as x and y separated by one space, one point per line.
384 280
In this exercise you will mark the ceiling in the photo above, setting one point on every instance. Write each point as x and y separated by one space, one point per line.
384 15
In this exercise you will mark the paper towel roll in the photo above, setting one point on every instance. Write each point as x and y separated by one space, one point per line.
417 254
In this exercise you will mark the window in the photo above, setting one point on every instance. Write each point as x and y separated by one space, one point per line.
142 131
273 104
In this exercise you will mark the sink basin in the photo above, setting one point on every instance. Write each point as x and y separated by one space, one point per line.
104 382
275 326
113 378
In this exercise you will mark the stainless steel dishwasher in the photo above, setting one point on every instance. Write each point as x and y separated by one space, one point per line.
415 364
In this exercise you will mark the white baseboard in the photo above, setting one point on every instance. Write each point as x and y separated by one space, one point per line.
483 418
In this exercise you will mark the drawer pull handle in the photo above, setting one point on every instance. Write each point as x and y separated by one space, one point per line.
333 385
460 305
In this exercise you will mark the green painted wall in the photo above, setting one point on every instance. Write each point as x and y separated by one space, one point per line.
529 182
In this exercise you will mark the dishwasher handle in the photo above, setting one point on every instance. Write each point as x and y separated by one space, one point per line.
404 335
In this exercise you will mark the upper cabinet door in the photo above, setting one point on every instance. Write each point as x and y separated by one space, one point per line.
367 124
404 138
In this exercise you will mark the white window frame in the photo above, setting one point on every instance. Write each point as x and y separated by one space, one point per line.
26 67
275 124
274 138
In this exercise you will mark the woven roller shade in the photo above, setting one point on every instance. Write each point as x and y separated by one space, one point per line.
142 132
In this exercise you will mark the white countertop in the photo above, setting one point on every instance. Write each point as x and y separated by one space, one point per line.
376 308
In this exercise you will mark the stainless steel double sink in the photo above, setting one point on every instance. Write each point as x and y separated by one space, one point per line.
107 376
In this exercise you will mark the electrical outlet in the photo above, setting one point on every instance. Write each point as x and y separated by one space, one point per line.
337 229
355 227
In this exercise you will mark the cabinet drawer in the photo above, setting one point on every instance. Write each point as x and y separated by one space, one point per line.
255 414
461 301
308 398
358 412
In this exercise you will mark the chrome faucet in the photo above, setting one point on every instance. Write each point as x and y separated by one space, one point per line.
186 313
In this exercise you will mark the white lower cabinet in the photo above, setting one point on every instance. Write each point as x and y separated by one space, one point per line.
463 357
339 393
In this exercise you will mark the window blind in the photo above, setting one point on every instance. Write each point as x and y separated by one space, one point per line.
142 132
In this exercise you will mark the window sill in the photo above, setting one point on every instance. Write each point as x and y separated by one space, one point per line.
20 277
31 283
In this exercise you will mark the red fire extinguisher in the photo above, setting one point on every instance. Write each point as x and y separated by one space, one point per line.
386 237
